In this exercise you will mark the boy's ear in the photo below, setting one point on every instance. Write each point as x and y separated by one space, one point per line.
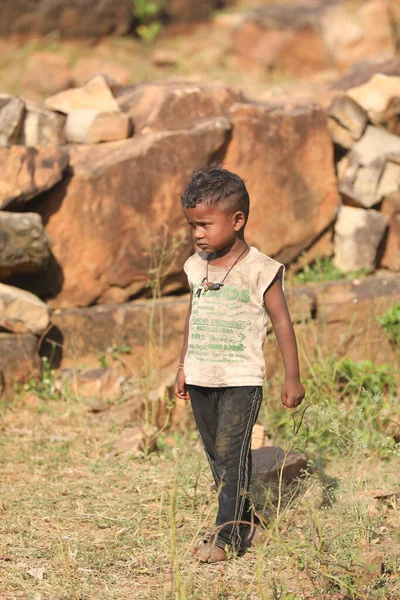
239 220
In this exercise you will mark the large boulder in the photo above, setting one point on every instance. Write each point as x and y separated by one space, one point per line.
172 105
24 246
69 18
46 73
285 155
120 215
12 111
21 311
26 172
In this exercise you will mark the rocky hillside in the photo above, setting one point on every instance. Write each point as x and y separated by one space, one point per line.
90 218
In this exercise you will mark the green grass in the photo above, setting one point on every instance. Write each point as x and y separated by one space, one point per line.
323 269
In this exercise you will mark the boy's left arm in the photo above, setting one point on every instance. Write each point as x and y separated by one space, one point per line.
292 391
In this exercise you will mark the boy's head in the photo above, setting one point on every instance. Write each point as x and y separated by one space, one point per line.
215 186
216 206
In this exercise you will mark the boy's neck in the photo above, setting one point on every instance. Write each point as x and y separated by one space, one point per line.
237 248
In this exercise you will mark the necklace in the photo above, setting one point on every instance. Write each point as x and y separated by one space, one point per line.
206 285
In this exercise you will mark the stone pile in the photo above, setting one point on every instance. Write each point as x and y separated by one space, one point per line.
365 127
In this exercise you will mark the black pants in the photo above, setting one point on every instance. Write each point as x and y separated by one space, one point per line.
225 418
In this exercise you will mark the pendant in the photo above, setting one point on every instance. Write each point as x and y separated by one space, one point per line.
206 286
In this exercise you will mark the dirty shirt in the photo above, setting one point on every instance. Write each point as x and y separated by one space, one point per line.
228 326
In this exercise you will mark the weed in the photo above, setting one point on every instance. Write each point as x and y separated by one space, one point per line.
323 269
390 323
145 13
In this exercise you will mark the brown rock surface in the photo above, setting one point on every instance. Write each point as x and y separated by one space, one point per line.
94 95
19 360
87 68
363 70
282 37
285 155
171 105
375 95
92 127
70 18
26 172
115 208
11 118
24 246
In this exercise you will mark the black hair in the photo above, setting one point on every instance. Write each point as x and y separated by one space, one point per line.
213 184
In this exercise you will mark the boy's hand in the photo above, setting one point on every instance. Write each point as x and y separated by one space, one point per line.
180 386
293 393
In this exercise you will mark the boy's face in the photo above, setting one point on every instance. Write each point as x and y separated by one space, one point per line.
213 228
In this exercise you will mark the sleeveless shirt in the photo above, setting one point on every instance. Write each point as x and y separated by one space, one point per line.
228 327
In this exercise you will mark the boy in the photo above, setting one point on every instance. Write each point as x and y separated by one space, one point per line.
233 290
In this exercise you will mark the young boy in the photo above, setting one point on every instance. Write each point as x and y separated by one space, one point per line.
233 290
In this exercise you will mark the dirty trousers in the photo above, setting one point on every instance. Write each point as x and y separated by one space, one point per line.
225 418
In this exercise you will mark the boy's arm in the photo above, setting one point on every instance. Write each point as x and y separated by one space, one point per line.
180 385
292 391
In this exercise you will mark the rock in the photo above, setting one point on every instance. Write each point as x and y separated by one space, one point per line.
43 128
21 311
284 152
391 255
99 385
94 95
390 120
268 463
69 18
258 436
363 70
340 135
163 57
360 171
85 333
92 127
375 95
24 246
12 111
285 38
116 205
358 233
350 115
116 74
137 440
19 360
27 172
352 37
45 74
391 204
188 11
341 31
389 182
170 106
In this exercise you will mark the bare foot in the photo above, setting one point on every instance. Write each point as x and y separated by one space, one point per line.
209 553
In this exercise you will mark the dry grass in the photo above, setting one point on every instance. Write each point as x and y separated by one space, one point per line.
80 522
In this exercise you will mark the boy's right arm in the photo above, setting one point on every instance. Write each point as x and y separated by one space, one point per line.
180 384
